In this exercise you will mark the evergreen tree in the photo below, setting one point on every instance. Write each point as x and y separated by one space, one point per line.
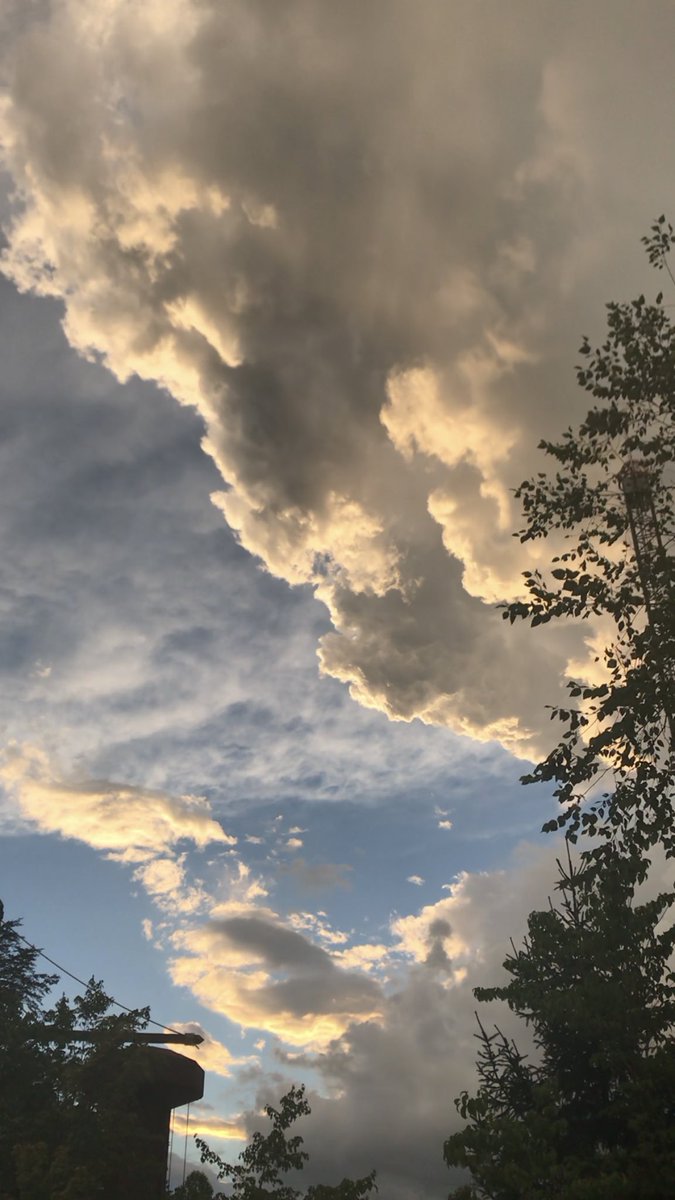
66 1127
592 1117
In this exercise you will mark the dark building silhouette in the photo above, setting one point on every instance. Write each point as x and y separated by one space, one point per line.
158 1081
141 1084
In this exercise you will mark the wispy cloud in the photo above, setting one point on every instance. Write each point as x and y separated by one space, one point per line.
318 876
131 824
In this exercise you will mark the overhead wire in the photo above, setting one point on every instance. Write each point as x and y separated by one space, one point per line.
84 984
187 1130
169 1157
125 1008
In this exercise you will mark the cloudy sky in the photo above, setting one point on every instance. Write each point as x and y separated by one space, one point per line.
291 290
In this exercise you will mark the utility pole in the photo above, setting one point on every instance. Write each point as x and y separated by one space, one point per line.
636 484
51 1033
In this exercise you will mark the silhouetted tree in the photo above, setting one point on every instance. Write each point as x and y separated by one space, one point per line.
196 1187
65 1120
622 726
593 1116
266 1161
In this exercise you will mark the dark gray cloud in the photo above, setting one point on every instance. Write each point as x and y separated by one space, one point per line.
274 944
439 931
258 971
403 1074
318 876
394 1080
388 1085
138 640
316 995
363 246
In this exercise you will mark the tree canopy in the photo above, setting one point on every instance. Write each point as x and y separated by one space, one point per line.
592 1115
67 1131
196 1187
263 1166
617 725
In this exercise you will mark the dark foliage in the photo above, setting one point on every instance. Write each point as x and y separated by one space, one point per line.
196 1187
263 1166
618 729
66 1128
593 1116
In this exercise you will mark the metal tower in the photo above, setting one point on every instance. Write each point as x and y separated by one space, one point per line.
650 554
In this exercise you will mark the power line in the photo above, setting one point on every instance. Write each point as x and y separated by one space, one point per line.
170 1151
83 984
187 1130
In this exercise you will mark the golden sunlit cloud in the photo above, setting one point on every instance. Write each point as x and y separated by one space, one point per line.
262 974
132 824
212 1055
207 1125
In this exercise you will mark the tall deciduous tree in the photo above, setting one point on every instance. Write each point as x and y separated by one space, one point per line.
618 729
263 1167
196 1187
592 1116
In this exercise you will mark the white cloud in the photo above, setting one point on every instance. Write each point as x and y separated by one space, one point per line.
317 925
161 876
416 879
365 956
164 881
129 824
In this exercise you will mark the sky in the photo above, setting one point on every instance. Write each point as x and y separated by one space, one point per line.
290 292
